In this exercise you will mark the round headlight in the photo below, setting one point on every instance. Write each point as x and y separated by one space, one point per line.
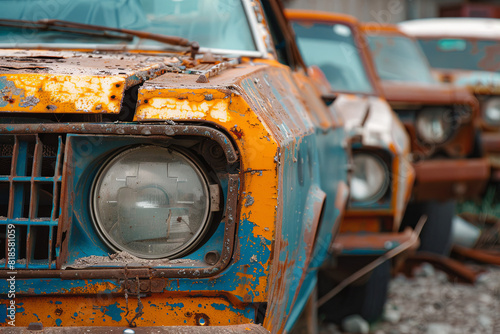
370 178
434 125
492 111
151 202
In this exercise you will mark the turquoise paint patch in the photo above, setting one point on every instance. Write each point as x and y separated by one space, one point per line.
113 311
58 303
176 305
58 322
219 307
3 313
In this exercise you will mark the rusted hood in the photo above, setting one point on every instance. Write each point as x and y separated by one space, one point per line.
72 82
479 82
373 119
425 93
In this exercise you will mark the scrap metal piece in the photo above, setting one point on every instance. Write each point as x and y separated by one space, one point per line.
236 329
455 270
478 255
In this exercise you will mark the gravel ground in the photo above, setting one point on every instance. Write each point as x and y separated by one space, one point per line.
430 304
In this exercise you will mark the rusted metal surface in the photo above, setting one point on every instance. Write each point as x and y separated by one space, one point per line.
457 271
443 179
236 329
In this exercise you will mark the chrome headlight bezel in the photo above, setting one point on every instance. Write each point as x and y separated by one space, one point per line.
187 247
381 189
491 111
439 118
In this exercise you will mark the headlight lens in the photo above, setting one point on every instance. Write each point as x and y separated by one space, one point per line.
152 202
370 179
435 125
492 111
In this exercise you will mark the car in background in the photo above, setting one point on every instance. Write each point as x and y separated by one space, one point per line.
163 163
464 51
382 177
445 143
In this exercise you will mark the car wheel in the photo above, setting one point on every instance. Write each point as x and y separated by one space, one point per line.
367 300
436 233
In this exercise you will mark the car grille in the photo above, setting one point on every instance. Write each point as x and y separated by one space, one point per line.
30 187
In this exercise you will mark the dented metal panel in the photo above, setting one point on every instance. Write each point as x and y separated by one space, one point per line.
72 82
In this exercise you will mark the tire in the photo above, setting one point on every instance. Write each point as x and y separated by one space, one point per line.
367 300
436 233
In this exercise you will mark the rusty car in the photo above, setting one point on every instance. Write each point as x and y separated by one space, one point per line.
382 178
464 51
164 164
439 117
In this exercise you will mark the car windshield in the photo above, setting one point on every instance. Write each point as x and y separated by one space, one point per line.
214 24
473 55
398 58
331 47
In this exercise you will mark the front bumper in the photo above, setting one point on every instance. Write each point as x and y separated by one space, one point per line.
236 329
450 179
490 142
491 147
371 244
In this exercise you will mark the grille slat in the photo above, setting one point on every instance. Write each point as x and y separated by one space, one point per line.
29 197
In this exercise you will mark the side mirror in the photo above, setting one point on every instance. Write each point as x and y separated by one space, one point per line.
322 84
329 98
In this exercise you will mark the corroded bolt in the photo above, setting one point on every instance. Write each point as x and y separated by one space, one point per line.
212 257
144 286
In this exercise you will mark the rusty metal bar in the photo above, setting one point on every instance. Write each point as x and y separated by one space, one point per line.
124 129
56 201
372 265
451 267
37 165
477 255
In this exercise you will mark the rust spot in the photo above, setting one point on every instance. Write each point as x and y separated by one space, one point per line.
188 314
59 311
8 99
237 132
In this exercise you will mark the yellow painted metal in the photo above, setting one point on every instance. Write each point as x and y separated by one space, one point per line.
104 309
45 93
